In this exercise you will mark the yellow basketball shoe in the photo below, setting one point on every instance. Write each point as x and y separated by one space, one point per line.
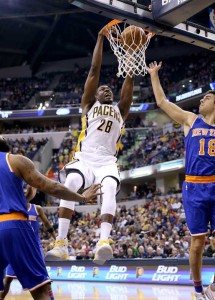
59 252
103 252
210 292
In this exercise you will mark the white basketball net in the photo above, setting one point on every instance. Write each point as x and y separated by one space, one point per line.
131 58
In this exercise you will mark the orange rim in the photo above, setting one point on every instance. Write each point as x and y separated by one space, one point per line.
152 33
115 22
109 25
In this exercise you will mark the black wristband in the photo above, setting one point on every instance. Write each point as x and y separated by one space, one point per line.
50 230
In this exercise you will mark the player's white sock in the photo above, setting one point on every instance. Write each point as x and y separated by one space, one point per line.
105 230
63 228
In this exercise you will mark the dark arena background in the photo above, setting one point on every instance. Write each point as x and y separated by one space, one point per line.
45 55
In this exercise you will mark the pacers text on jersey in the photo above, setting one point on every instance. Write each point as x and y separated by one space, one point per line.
106 110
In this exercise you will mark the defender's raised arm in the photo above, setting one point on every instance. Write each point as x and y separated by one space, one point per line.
176 113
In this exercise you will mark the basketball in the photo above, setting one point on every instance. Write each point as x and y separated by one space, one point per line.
133 36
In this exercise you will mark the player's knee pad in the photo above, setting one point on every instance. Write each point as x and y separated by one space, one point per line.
109 187
74 182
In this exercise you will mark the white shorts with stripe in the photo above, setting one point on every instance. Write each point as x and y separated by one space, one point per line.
91 174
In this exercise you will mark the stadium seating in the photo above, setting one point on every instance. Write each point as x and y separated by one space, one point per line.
156 229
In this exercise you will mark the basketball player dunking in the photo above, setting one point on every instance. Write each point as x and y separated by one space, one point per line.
34 213
199 185
95 157
18 244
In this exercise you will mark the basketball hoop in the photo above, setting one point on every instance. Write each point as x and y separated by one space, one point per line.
129 44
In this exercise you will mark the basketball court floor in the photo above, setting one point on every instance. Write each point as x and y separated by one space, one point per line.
65 290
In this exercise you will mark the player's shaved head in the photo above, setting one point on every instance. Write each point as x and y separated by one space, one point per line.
4 146
104 94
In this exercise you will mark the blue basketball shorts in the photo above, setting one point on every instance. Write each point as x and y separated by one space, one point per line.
9 270
19 247
199 206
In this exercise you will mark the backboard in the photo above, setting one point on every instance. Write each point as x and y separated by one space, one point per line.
136 13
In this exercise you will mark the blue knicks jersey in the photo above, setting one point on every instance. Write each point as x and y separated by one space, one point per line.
200 149
12 198
33 218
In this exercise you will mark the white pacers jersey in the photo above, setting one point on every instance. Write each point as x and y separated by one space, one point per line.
100 135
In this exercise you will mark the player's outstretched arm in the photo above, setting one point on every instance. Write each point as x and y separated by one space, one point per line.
25 169
176 113
126 96
45 221
92 81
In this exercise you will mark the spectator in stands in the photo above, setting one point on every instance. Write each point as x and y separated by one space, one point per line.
185 242
150 252
141 252
121 254
159 253
167 249
80 251
90 255
210 251
176 205
182 254
130 253
174 253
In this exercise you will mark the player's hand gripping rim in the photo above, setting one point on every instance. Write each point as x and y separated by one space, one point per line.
104 31
91 194
109 31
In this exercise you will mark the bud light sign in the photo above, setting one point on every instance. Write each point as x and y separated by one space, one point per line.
133 271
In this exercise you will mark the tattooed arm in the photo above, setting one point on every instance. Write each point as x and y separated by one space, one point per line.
25 169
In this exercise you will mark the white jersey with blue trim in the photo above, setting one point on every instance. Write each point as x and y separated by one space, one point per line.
100 135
